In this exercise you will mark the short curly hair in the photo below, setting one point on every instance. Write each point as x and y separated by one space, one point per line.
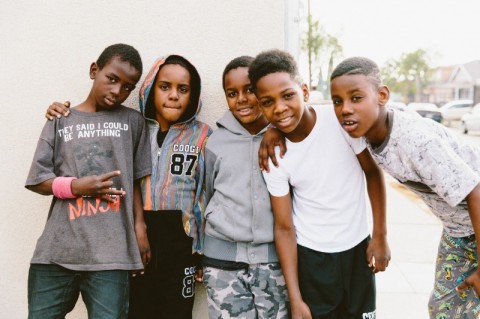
124 52
243 61
358 65
273 61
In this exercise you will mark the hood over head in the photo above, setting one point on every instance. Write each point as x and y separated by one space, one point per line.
146 93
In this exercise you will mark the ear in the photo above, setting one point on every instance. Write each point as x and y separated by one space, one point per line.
383 95
306 92
93 70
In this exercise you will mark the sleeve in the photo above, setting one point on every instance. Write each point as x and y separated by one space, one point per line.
200 199
277 178
357 144
141 153
43 164
210 173
440 168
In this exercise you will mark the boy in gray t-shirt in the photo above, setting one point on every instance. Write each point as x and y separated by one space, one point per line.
91 162
431 161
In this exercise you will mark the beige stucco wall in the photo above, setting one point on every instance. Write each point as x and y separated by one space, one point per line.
46 48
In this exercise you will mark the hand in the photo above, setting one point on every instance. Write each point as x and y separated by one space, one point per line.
97 186
273 137
199 274
300 310
143 245
471 281
57 110
378 253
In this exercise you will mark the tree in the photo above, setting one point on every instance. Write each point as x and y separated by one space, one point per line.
335 52
321 48
408 75
312 43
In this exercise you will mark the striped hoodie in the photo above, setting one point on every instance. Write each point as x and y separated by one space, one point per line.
178 168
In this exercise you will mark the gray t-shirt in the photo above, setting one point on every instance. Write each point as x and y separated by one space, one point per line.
434 163
89 234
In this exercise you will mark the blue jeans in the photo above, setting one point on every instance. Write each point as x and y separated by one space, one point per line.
53 291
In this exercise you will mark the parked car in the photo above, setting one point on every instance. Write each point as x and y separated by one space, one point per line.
397 105
471 120
454 110
428 110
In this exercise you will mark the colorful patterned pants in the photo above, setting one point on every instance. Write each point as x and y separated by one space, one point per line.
456 260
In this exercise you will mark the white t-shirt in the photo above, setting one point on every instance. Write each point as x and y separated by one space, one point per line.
329 208
434 163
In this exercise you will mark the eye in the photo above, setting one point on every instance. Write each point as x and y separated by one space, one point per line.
288 96
128 88
184 89
336 102
163 87
111 79
250 90
265 103
231 94
356 98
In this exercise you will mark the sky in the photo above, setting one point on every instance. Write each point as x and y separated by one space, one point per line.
384 29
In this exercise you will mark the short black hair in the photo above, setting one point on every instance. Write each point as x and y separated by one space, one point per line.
243 61
358 65
273 61
124 52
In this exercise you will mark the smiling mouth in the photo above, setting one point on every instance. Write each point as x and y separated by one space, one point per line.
244 110
284 120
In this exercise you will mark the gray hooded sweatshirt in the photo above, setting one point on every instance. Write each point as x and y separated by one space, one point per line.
239 219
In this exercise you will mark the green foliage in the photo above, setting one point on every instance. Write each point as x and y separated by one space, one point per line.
312 43
408 75
321 48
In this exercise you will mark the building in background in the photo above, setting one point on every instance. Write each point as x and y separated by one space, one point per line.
458 82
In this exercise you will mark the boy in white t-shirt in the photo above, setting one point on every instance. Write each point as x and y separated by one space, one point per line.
434 163
318 199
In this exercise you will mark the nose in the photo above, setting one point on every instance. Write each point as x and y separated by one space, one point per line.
173 95
347 108
115 89
242 97
279 108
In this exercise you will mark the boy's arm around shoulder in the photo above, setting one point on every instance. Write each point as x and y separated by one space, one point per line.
286 245
273 137
378 251
473 202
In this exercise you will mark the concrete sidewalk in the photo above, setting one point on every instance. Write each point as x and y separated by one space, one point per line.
404 288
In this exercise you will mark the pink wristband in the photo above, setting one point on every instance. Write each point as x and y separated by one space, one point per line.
62 187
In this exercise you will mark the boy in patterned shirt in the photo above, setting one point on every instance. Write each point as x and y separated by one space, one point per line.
431 161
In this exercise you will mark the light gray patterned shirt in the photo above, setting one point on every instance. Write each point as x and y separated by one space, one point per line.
434 163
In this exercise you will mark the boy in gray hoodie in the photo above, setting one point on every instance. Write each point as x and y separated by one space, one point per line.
241 269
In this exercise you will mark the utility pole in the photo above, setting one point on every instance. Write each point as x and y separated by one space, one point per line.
309 47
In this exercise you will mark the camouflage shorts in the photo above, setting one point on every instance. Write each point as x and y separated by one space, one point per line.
456 260
258 291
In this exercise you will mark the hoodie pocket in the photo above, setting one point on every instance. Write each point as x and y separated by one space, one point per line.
220 222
